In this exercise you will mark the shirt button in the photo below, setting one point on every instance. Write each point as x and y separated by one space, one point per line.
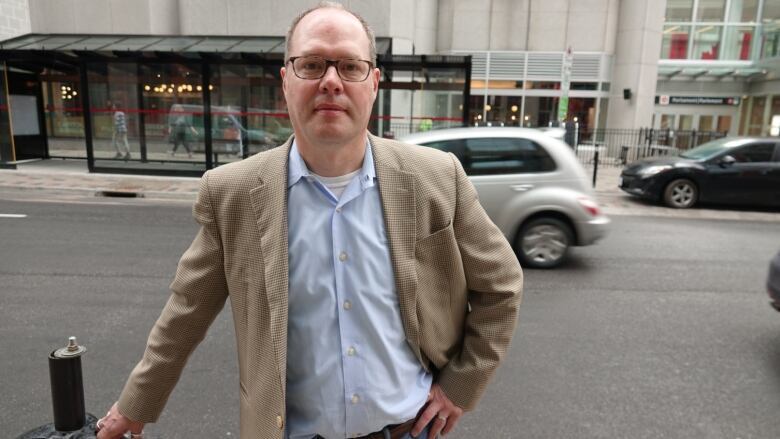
355 399
347 305
338 210
351 351
279 422
343 256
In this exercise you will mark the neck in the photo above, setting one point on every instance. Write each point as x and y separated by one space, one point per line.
332 160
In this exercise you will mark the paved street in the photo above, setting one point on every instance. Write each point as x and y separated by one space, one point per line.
661 331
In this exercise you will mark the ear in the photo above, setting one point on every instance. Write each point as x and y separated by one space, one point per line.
283 73
375 75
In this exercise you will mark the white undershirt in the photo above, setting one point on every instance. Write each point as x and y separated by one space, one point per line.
337 184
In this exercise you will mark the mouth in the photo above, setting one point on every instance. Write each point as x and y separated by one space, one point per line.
329 108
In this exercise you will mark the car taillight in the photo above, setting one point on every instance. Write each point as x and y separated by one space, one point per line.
590 206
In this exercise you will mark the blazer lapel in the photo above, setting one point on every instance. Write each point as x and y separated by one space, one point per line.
269 203
396 189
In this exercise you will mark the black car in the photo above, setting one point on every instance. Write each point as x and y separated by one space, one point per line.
728 170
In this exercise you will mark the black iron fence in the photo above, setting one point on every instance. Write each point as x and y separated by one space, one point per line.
615 147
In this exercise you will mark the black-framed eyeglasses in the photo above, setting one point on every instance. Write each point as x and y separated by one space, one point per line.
314 67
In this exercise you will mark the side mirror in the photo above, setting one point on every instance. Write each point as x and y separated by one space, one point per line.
726 161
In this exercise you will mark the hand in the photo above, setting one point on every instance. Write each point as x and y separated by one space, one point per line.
114 425
439 406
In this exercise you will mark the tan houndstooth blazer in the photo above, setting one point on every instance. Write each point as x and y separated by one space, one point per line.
447 256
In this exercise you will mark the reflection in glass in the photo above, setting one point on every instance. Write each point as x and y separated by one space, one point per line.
756 116
63 113
711 10
743 11
679 10
674 44
706 42
738 42
113 93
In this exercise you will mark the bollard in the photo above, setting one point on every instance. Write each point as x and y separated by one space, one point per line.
67 393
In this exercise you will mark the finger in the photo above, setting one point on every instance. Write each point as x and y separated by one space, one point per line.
425 418
452 421
438 425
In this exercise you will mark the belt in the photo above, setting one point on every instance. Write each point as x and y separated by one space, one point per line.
397 431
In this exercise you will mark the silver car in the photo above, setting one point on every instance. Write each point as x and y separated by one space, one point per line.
531 185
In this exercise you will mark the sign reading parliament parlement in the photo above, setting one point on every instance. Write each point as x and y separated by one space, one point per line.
696 100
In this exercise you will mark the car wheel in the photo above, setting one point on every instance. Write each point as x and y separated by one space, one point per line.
681 194
543 243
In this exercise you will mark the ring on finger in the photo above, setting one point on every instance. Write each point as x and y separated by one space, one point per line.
442 418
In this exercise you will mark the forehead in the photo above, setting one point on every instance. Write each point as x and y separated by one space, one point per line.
330 31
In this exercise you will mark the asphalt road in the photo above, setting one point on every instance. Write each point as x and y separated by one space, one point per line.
663 330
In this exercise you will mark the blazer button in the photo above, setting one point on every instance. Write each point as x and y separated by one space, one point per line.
279 422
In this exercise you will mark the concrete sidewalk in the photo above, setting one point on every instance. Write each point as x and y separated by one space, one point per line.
59 174
72 176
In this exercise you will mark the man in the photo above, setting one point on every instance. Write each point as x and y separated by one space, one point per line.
372 296
120 133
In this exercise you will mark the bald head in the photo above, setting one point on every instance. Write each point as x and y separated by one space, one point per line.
307 14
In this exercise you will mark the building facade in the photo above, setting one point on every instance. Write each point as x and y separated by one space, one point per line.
706 65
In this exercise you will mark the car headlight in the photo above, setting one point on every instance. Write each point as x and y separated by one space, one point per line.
652 170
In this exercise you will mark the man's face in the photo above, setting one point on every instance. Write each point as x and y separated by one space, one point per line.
329 110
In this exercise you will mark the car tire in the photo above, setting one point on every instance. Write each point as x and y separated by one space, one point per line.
543 243
681 193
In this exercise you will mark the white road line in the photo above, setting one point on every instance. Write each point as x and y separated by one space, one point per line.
12 215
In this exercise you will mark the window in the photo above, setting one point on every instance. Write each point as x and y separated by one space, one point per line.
679 10
485 156
711 10
757 153
706 42
675 42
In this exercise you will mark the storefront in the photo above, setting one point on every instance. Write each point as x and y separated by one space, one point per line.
182 105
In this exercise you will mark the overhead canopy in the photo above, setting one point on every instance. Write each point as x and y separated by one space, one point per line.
227 47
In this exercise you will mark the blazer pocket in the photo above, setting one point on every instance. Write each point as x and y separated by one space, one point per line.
441 294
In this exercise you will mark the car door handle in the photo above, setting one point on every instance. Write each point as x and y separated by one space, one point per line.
521 187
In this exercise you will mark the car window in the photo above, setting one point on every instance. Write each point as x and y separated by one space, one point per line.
756 153
455 146
497 155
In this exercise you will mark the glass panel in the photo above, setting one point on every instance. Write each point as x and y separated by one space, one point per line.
685 122
259 45
756 116
675 42
603 113
771 10
113 95
711 10
770 40
133 43
724 124
540 85
743 121
738 41
540 111
744 11
22 41
214 45
679 10
91 43
705 123
173 44
667 121
706 42
52 43
173 115
410 101
63 113
583 112
6 150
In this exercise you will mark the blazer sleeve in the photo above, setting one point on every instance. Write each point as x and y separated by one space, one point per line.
495 283
198 293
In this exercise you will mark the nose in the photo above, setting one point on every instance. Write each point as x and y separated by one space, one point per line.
331 81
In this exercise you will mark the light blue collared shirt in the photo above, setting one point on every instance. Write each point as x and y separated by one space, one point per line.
350 370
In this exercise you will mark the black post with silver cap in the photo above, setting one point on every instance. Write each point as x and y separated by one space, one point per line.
67 394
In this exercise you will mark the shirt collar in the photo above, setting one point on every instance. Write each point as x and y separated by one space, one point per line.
297 168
